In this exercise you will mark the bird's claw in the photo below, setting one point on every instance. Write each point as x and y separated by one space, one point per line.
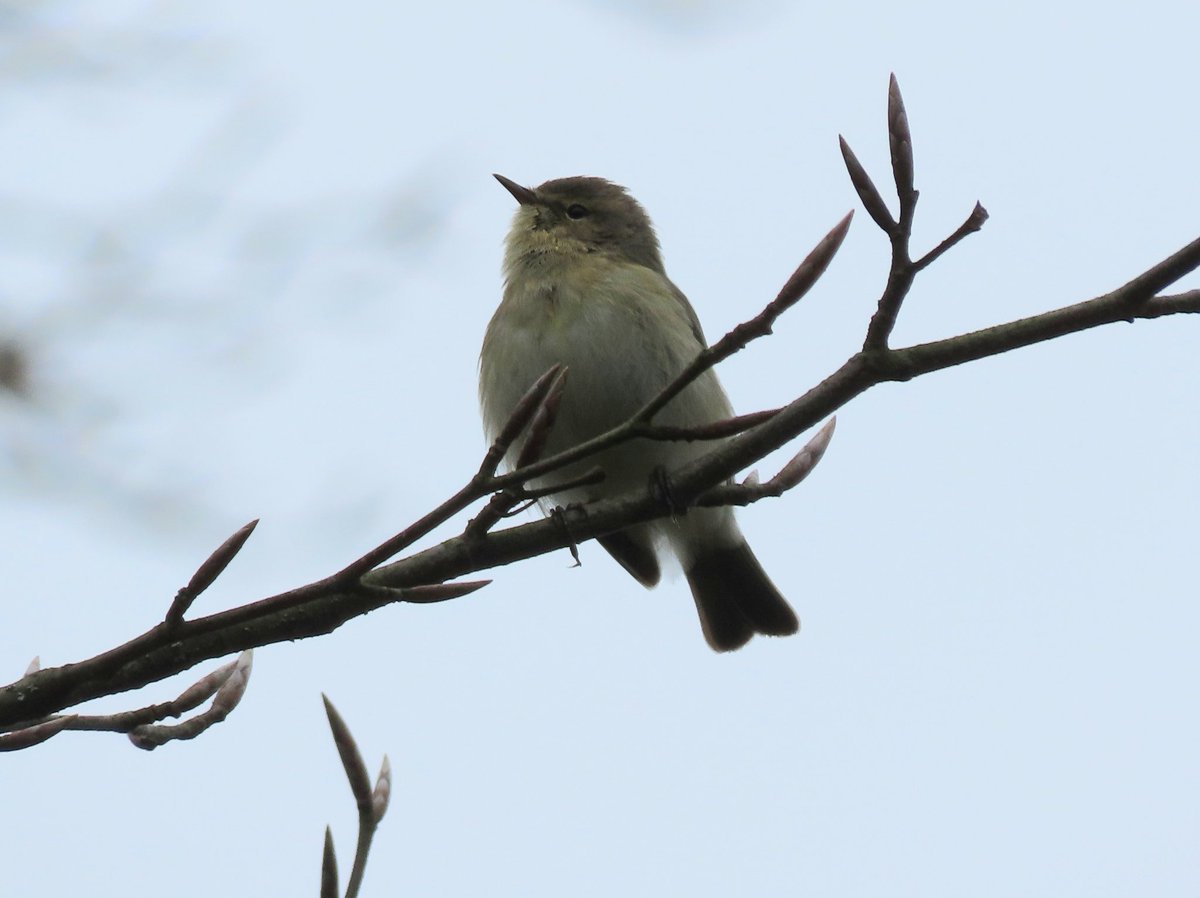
558 514
660 489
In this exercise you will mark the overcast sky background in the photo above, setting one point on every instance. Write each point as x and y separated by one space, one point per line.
249 251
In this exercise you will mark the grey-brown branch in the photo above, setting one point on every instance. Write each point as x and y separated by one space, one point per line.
363 586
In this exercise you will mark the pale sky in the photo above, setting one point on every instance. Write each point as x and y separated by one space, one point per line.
250 250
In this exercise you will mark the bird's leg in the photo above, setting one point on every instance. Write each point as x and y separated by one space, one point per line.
660 489
559 514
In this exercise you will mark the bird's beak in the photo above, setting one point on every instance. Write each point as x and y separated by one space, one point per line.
522 195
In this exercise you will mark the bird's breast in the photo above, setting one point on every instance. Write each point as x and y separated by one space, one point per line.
621 331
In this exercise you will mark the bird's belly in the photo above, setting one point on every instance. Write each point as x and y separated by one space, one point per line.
616 362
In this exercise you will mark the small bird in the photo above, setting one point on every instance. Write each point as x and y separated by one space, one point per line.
585 287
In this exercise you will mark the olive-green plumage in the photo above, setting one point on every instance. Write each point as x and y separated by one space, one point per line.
585 287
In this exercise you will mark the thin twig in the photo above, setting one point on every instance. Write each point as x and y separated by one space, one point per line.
409 535
717 430
505 503
973 223
903 270
478 486
124 721
543 420
802 280
151 736
27 737
789 476
527 407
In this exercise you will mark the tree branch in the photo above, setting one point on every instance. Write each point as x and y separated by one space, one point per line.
361 587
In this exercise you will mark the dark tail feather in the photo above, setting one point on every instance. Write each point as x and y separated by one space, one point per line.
736 599
637 556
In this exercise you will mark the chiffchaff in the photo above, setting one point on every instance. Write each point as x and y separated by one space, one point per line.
585 288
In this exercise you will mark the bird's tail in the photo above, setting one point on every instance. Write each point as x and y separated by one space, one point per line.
736 598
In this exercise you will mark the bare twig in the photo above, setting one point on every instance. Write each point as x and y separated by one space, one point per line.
151 736
903 270
192 697
479 485
1172 304
790 475
1158 277
402 540
717 430
503 502
124 721
973 223
34 735
529 405
802 280
498 508
543 420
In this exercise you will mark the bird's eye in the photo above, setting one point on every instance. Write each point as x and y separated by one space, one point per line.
577 211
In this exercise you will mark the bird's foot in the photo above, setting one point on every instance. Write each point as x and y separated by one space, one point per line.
660 489
559 514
